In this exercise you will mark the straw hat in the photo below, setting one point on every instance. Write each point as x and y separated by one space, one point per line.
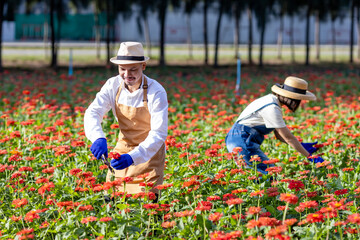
130 53
295 88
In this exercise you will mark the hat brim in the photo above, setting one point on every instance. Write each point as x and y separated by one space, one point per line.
298 96
124 62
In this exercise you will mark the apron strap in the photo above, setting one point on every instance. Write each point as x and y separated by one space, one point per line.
118 94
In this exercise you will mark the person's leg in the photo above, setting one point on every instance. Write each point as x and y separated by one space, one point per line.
234 139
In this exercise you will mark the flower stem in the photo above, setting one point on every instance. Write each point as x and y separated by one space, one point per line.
285 211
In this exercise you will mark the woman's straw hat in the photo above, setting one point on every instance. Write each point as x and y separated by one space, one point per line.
295 88
130 53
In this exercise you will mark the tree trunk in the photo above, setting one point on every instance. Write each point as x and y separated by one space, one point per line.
108 31
1 23
217 36
113 17
147 35
205 33
292 44
58 35
333 40
162 17
280 37
358 28
262 34
189 40
249 13
317 35
52 29
46 31
236 29
352 30
307 35
97 32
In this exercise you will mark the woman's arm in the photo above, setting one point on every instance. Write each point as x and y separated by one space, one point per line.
278 137
286 136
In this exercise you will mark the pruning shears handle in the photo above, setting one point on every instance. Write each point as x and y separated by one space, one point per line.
106 162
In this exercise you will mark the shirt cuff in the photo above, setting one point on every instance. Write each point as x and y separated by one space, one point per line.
136 157
96 136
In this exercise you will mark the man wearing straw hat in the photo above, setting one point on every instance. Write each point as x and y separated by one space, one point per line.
263 116
140 106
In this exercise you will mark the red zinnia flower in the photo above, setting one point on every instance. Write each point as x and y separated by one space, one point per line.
341 192
309 204
315 217
151 206
30 216
272 192
19 202
75 171
354 218
257 193
213 198
297 185
105 219
47 187
204 206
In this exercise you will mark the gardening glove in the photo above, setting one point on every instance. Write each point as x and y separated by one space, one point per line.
309 147
122 162
315 159
99 147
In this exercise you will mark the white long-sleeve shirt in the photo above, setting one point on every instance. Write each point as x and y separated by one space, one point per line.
157 105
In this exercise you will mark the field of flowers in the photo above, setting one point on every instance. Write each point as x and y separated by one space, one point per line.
53 188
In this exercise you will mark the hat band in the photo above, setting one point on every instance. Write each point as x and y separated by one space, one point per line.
131 58
292 89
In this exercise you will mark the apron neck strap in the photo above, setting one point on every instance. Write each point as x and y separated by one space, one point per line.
145 87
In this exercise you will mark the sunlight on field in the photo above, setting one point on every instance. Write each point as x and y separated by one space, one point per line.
53 188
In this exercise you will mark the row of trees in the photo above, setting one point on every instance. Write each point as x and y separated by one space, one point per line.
261 9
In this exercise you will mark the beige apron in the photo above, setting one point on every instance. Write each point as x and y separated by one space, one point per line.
134 125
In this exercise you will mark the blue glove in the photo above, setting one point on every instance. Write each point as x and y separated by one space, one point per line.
124 161
309 147
316 159
99 147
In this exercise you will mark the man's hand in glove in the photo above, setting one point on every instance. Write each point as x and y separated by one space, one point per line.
309 147
99 147
315 159
122 162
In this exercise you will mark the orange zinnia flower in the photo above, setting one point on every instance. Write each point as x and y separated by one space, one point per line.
168 224
234 201
215 216
89 219
289 198
253 210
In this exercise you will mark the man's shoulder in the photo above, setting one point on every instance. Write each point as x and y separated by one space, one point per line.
155 86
